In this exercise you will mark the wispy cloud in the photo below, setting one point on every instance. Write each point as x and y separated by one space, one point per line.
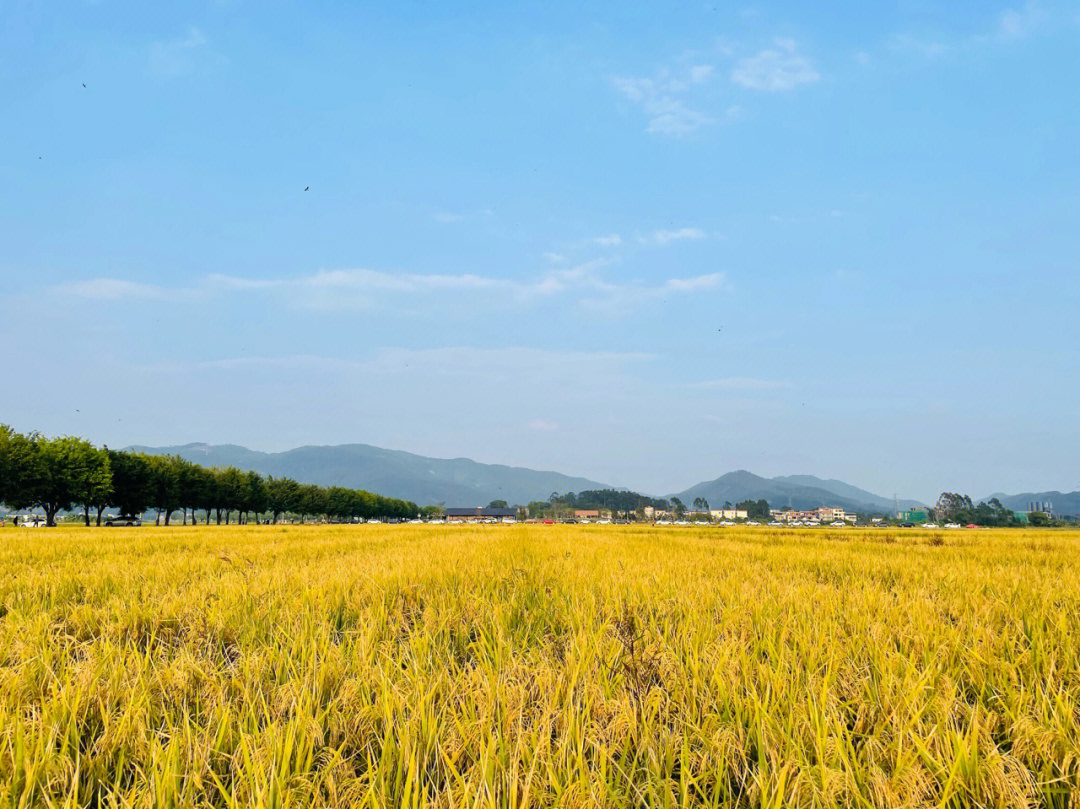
183 56
111 289
662 99
427 362
775 69
739 383
662 237
700 73
611 240
543 425
1021 23
363 288
443 216
927 47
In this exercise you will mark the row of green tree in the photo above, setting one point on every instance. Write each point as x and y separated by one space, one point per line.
60 474
958 508
625 503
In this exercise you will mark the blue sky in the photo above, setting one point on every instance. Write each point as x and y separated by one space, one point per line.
645 243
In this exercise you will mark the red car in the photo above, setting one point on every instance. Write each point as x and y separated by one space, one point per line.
549 522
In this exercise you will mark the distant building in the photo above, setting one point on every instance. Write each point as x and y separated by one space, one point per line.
590 513
834 513
478 513
728 513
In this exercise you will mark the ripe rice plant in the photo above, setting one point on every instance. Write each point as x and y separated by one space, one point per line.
524 666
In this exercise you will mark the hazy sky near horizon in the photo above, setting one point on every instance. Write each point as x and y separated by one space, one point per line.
644 243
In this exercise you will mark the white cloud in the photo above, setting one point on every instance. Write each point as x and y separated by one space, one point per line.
429 362
695 284
111 289
863 58
443 216
775 69
1018 24
739 383
555 258
543 425
700 73
611 240
927 48
362 288
183 56
670 116
661 99
662 237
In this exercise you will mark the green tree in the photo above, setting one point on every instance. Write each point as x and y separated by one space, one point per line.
1038 518
255 496
498 504
92 479
755 509
51 475
165 488
16 468
131 482
282 496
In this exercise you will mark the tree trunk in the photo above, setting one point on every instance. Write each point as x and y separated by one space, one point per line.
86 514
99 510
50 516
168 513
185 515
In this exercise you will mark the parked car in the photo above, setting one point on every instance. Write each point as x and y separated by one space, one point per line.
123 519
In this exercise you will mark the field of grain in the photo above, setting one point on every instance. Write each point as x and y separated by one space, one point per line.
515 666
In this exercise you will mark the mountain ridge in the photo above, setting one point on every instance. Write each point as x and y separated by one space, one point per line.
784 491
389 472
462 481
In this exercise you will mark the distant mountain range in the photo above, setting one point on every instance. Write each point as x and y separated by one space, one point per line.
798 491
463 482
450 481
1065 504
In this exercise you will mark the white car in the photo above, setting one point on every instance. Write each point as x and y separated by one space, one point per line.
838 524
952 525
929 525
753 522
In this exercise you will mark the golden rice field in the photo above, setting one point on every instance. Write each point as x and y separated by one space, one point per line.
518 666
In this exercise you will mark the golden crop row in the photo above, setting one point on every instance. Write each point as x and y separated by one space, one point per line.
518 666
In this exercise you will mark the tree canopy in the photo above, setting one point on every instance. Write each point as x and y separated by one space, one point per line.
58 474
